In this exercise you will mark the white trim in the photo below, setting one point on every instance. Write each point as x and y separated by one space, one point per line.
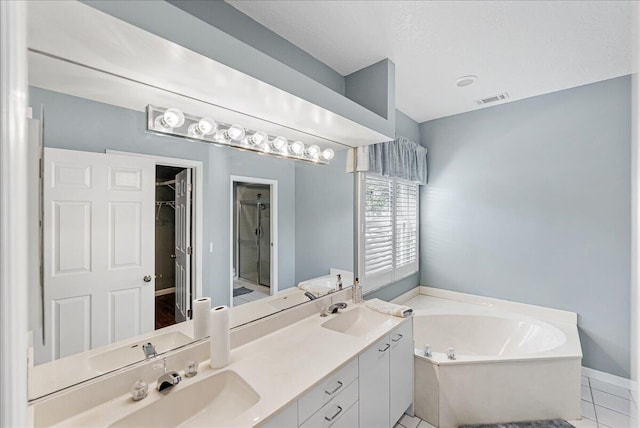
620 381
401 299
273 289
14 228
197 200
165 291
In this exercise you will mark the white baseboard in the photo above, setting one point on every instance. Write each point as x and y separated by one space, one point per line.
165 291
406 296
622 382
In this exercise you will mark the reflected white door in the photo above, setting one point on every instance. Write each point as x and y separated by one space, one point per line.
98 250
183 244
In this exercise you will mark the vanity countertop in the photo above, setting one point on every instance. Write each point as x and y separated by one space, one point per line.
280 367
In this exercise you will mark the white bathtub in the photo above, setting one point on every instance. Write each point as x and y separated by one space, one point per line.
513 362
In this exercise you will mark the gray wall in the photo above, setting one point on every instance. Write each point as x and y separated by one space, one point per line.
530 201
79 124
324 218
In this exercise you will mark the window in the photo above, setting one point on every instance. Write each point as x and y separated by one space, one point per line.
388 238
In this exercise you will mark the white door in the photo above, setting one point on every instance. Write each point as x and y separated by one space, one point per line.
98 250
183 245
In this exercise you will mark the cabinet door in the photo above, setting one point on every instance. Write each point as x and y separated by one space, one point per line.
374 385
400 371
286 418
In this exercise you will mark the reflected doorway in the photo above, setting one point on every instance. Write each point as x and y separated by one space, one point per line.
173 247
253 218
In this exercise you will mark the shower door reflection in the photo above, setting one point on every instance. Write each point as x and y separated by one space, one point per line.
254 239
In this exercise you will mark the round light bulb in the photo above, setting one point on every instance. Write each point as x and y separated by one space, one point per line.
207 126
258 138
279 143
296 148
236 132
327 154
172 118
313 151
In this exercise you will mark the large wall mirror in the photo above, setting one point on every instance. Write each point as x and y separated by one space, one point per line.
137 225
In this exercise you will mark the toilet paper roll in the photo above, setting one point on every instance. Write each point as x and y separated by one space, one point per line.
220 340
201 314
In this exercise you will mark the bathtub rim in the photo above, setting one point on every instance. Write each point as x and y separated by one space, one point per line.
469 304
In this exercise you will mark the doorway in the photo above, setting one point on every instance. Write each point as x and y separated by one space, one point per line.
253 218
173 248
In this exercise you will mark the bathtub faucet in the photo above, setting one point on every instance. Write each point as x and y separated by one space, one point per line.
427 350
451 354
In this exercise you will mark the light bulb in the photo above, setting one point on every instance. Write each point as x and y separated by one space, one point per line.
327 154
313 151
236 132
171 118
279 143
258 138
207 126
296 148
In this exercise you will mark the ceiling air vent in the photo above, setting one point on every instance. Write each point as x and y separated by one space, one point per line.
493 99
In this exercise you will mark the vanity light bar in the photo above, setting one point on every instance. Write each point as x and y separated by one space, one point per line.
171 121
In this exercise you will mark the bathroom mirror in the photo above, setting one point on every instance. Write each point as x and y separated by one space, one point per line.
113 270
121 266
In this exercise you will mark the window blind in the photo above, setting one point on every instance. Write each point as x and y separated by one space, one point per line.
389 230
378 225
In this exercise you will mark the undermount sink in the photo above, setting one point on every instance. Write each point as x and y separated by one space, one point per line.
208 402
129 354
356 322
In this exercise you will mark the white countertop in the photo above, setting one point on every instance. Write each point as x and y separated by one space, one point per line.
280 367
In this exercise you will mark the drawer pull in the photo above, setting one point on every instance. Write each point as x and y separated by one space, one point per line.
334 416
385 348
397 339
334 391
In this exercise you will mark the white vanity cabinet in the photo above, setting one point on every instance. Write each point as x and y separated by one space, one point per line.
372 390
386 378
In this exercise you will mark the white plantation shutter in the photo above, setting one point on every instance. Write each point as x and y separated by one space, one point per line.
378 226
406 228
388 243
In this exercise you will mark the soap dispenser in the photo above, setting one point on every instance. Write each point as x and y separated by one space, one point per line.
339 282
357 291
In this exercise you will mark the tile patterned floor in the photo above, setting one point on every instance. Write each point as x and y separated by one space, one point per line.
259 292
604 405
608 406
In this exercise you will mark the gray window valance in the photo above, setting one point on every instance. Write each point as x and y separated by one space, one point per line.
400 158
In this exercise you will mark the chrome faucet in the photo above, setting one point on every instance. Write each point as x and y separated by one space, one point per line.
149 350
310 295
168 380
333 309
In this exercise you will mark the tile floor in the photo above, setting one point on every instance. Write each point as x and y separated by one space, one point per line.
604 405
607 405
259 292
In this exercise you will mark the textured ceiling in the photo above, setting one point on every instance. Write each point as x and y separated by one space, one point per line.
525 48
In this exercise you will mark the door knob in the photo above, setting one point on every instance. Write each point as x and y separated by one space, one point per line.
147 278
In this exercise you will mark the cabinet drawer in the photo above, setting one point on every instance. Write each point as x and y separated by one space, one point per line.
333 413
328 389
